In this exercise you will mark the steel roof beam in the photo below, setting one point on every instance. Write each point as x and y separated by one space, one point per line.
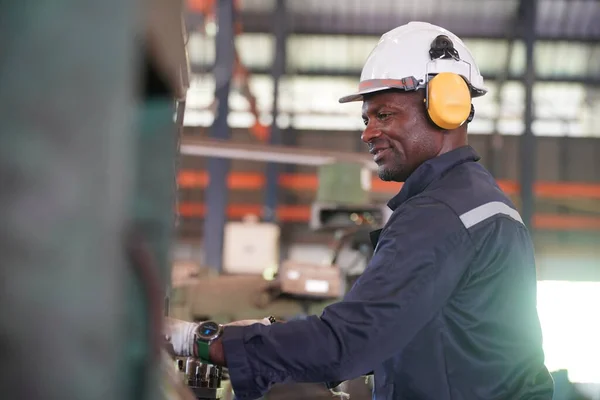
255 22
592 80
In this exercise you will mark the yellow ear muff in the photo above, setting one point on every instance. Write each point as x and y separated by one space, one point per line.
448 100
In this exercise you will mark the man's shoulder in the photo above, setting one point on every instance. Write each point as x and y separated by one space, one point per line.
464 204
424 220
473 195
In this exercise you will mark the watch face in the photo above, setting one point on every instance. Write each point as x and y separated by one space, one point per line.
208 330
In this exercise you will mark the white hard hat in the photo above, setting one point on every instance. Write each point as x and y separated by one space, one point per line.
402 60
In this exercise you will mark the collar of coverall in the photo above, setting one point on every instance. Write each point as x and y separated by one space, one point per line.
430 171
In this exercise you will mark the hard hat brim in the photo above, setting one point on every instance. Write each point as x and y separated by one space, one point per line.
360 95
376 85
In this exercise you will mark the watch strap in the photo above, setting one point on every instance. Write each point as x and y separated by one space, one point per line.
203 350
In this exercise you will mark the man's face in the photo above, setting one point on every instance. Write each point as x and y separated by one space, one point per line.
398 133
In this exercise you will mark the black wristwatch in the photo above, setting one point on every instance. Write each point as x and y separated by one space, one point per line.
206 333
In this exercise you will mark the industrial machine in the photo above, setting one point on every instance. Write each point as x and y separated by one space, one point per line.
187 378
203 380
263 283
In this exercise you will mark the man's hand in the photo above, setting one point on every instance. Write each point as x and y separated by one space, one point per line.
180 334
216 353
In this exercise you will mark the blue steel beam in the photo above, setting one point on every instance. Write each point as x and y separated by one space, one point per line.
218 169
528 141
272 169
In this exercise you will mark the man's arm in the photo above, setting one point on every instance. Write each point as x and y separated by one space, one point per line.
421 256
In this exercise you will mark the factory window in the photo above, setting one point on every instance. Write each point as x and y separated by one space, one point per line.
491 56
566 109
564 60
334 54
256 50
311 102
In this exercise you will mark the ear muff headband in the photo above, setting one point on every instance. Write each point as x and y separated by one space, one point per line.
448 100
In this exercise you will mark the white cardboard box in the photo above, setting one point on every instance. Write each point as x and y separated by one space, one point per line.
250 247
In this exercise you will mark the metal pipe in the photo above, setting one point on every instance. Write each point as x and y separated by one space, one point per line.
195 146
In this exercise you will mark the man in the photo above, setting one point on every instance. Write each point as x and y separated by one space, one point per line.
446 309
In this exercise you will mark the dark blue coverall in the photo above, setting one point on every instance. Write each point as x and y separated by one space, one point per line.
446 309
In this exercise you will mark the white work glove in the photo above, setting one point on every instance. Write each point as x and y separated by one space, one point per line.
181 336
181 333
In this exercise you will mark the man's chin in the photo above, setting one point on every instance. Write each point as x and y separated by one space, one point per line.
387 174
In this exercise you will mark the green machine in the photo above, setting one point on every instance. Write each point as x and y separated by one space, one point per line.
343 198
344 183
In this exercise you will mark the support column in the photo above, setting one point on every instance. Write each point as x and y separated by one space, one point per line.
496 140
563 176
528 141
272 171
218 168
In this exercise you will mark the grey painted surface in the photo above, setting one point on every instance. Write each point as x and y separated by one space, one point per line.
66 158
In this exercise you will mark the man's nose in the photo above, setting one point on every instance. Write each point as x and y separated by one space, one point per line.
370 133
